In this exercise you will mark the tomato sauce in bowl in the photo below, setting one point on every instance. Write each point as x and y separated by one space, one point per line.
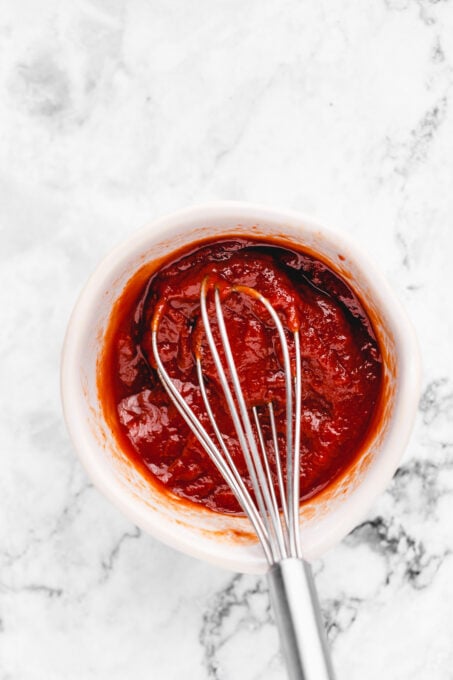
340 357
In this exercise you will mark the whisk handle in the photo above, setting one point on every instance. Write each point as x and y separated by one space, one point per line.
298 617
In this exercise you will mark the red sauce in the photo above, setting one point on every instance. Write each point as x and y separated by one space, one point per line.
341 365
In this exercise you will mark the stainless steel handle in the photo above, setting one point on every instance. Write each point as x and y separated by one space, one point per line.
298 617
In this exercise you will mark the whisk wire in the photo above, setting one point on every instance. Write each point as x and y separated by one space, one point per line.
296 478
278 465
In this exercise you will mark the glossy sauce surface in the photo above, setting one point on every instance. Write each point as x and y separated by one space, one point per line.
340 358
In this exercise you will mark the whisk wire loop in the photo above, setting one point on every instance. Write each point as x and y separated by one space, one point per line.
278 530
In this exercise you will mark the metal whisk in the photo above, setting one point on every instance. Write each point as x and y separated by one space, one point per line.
276 524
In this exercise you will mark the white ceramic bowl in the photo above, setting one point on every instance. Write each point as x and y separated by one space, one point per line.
221 539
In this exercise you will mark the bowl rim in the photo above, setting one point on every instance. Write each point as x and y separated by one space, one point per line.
156 232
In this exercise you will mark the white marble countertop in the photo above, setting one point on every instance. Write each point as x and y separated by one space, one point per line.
115 112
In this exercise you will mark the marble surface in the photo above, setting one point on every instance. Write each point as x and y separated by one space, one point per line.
115 112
